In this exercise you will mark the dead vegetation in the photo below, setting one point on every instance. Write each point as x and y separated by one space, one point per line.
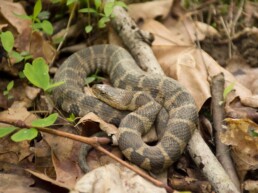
194 43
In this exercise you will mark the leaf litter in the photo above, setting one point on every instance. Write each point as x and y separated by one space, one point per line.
176 52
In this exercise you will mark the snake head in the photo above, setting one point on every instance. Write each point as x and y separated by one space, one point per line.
117 98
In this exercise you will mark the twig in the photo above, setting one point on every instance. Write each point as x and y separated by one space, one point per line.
66 32
136 40
93 141
222 150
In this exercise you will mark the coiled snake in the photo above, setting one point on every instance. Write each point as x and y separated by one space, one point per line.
176 120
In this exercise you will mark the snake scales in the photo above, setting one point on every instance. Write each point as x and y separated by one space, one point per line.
177 119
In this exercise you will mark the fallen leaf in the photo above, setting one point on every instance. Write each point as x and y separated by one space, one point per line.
192 67
251 186
239 135
47 179
116 179
18 183
9 11
141 11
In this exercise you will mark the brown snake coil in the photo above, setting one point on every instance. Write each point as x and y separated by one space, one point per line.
177 119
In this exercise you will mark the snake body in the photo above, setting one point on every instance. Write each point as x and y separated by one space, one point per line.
178 105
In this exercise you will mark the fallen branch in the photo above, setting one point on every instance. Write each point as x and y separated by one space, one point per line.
94 142
222 150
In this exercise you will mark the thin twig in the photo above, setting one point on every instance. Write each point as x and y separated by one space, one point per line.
66 32
222 150
93 141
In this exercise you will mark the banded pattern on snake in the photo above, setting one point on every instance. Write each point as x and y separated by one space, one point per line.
176 120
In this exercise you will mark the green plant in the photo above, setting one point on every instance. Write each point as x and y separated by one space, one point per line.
37 74
93 77
7 41
39 19
22 134
226 91
8 89
71 118
103 11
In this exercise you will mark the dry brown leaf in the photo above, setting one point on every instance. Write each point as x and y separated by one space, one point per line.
36 44
192 67
251 186
11 151
244 145
18 112
116 179
96 159
141 11
104 126
67 171
165 36
64 155
46 178
7 15
11 183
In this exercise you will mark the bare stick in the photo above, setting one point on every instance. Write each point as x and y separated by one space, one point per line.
136 40
93 141
222 150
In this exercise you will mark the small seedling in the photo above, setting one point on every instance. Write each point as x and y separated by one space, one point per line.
71 118
226 91
36 18
28 133
103 11
8 89
92 78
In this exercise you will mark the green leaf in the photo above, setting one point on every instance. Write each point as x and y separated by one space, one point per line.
47 27
23 16
252 132
36 26
57 40
71 118
69 2
50 86
108 8
44 15
17 56
25 134
102 22
6 130
228 89
88 10
21 74
97 3
7 40
88 28
37 9
26 55
10 85
90 79
5 92
121 4
37 73
50 120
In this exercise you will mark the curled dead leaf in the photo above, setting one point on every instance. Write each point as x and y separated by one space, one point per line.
116 178
141 11
240 135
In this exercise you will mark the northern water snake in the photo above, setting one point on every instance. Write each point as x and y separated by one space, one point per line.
118 64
